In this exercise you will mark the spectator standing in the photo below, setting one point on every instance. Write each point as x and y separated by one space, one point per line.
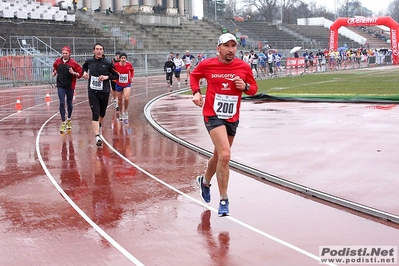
228 77
75 5
262 63
254 59
246 58
358 57
305 56
331 56
98 70
320 57
311 58
67 71
326 58
270 61
243 42
277 62
241 55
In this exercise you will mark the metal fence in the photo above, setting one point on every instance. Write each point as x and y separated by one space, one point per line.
36 69
16 70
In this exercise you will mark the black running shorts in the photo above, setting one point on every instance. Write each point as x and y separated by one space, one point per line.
212 122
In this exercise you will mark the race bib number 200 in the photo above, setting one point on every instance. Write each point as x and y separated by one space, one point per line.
225 106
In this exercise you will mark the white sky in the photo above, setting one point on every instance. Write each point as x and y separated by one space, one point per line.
374 6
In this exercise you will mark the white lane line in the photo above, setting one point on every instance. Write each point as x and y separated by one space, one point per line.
280 241
77 209
69 200
116 244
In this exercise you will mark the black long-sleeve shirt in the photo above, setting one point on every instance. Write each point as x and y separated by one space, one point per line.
169 67
97 67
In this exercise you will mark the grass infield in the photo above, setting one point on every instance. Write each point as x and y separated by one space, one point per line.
368 83
379 84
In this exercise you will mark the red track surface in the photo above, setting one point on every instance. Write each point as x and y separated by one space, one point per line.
136 201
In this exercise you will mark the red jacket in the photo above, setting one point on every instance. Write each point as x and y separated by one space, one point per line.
64 78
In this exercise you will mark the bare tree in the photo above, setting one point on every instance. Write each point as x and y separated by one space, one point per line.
286 10
267 9
214 8
394 10
295 9
350 8
230 10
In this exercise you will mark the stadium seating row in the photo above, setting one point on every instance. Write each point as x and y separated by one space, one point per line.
33 10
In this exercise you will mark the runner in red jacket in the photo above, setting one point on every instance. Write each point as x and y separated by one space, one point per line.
67 71
227 77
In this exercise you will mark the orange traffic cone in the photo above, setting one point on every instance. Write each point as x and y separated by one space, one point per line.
18 105
48 98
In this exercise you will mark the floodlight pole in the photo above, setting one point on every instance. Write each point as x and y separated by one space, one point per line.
216 18
335 10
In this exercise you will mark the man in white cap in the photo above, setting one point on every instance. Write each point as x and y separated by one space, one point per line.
228 77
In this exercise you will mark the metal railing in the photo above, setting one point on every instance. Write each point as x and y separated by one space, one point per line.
24 69
21 70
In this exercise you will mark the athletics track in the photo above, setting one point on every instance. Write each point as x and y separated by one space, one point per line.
134 202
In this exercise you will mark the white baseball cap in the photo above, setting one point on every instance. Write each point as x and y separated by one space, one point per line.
226 37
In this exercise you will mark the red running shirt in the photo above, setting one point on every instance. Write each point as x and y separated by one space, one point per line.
125 72
222 97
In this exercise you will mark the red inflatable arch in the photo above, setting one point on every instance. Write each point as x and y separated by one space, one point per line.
371 21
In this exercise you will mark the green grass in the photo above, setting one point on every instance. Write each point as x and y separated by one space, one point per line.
367 83
359 83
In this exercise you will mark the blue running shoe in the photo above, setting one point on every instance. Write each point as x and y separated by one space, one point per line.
205 192
224 208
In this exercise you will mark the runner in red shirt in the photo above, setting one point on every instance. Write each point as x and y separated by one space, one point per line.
227 77
124 85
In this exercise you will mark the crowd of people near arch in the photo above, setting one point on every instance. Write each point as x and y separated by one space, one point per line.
269 62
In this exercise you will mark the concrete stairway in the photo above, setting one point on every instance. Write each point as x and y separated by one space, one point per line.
189 35
373 41
320 35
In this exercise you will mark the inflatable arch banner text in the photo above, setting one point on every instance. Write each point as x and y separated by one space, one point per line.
370 21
